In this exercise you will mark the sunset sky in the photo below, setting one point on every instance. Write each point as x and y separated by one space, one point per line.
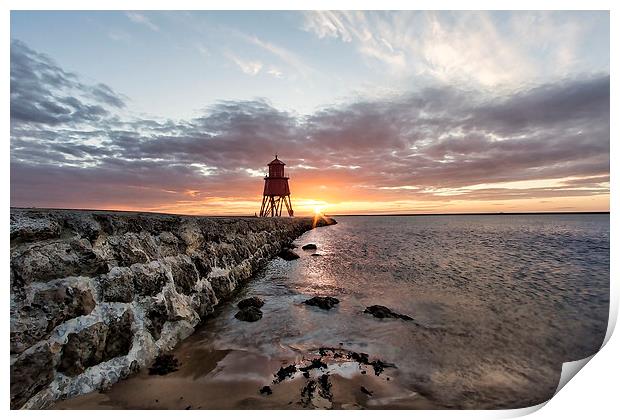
373 112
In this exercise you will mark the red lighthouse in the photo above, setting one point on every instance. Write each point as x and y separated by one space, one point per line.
276 191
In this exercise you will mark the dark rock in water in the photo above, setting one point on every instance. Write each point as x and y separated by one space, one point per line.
284 373
325 389
253 301
249 314
307 393
288 255
164 364
379 311
316 255
306 374
308 247
323 302
380 365
315 364
359 357
365 391
266 390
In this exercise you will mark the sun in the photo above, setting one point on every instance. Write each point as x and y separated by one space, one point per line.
318 210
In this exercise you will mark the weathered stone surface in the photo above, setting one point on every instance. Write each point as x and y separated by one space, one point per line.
184 273
36 318
96 344
148 279
31 372
33 229
90 286
157 315
131 248
57 259
117 285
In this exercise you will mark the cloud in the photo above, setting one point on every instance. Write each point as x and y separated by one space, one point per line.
43 93
142 20
431 145
484 49
251 67
286 56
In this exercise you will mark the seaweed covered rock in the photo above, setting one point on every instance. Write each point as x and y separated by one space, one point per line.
323 302
379 311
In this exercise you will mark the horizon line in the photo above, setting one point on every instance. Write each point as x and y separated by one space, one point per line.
328 215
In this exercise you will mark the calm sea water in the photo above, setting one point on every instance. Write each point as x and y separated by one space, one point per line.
500 302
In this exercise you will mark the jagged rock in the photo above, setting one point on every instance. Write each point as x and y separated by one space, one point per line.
251 301
266 390
183 272
132 248
309 247
31 372
117 285
30 229
323 302
379 311
164 364
288 255
284 372
55 260
148 279
156 317
95 344
249 314
35 319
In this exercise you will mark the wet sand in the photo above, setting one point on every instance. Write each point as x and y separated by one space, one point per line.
223 379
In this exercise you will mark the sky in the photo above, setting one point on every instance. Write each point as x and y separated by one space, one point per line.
373 112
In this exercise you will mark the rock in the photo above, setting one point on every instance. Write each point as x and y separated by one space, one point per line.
315 255
288 255
33 229
323 302
315 364
148 279
379 311
184 273
32 371
48 309
164 364
251 301
284 372
117 285
308 247
249 314
156 317
95 344
266 390
379 366
55 260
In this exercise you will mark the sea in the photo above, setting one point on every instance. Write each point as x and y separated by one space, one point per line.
499 303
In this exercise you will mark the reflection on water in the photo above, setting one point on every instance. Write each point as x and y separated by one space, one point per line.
500 302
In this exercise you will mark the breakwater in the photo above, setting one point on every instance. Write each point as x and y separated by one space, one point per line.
97 295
